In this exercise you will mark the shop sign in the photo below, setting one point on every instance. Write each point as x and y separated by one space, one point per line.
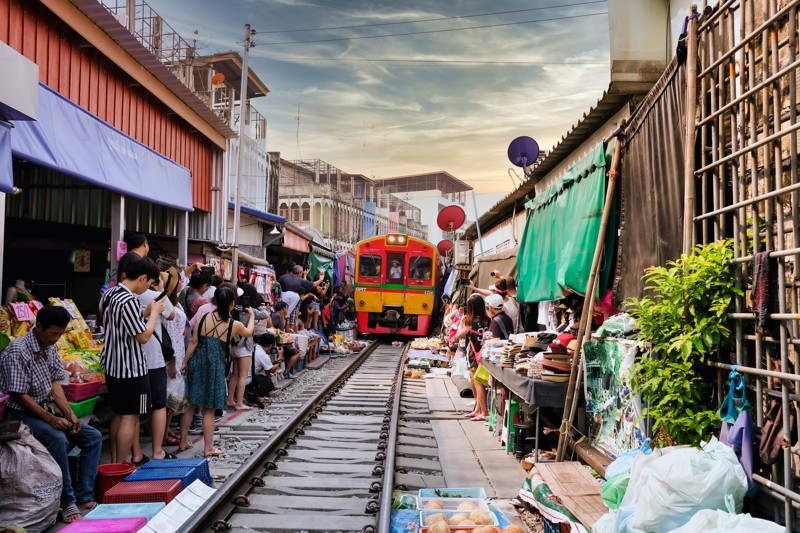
82 261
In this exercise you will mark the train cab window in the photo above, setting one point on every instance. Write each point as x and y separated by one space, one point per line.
420 268
369 266
395 267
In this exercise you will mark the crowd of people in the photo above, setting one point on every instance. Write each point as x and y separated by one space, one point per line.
223 339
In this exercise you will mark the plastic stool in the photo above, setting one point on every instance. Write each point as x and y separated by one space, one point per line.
509 416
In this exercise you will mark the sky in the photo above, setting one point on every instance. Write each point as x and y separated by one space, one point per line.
448 95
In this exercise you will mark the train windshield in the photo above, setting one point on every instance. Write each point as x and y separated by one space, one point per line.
395 267
420 268
369 266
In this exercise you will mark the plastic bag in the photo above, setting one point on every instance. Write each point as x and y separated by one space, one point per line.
30 481
176 394
640 472
619 325
613 490
482 375
616 521
687 481
625 459
708 521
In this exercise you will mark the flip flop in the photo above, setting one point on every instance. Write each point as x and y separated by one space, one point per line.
171 440
70 514
141 461
216 453
184 448
87 506
245 408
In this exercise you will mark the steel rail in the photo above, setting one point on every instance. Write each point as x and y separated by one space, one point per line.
244 474
385 510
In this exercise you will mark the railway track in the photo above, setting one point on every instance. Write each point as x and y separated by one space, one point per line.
325 467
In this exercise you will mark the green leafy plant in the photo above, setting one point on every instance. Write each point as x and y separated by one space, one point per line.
683 320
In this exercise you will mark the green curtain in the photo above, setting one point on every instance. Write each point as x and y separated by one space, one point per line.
320 263
555 253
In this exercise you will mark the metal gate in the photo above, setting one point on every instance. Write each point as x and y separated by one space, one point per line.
742 183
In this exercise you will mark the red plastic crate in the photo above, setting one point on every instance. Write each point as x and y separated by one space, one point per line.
76 392
154 490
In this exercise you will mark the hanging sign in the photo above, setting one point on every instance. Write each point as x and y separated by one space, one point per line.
122 249
82 261
22 312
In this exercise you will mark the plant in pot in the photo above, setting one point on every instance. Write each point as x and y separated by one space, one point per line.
683 320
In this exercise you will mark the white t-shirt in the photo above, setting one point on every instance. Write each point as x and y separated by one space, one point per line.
511 307
212 290
152 348
263 363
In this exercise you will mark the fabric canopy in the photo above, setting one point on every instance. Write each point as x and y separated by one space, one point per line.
263 215
320 263
71 140
6 170
555 253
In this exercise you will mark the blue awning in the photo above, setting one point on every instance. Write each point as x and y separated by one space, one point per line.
263 215
6 170
71 140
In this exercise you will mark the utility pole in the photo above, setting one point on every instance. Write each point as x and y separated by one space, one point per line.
237 208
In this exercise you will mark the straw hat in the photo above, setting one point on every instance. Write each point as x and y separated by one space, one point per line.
170 278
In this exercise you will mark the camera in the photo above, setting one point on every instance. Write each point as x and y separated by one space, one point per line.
463 281
495 273
207 270
244 302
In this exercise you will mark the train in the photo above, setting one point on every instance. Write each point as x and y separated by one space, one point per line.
396 282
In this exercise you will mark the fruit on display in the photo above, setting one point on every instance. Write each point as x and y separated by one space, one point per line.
436 517
434 504
458 518
467 506
483 529
480 518
439 527
513 529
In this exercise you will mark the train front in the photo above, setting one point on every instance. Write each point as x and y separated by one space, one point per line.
395 285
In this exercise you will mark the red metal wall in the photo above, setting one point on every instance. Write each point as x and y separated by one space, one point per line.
81 73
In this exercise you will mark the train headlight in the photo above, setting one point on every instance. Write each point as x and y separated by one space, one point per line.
391 239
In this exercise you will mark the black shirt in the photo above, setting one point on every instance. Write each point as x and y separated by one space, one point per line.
497 329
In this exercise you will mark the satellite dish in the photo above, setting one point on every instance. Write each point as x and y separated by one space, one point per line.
522 152
218 80
451 218
444 246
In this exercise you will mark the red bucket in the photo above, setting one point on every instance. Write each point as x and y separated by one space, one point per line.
109 475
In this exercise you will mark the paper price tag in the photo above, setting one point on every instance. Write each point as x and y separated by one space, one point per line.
22 312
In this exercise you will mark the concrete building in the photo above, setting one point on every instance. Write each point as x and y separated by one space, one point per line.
430 193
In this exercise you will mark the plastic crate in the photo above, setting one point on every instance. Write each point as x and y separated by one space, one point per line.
427 512
76 392
471 492
186 474
451 504
200 463
155 490
125 510
84 408
107 525
466 529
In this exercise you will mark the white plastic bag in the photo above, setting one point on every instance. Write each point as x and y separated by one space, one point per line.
687 481
708 521
176 394
640 472
616 521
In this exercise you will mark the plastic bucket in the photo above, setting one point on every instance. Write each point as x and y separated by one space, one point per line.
109 475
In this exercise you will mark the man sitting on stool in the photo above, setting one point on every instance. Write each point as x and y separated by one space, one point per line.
30 371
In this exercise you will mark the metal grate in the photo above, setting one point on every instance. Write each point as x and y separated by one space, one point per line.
746 188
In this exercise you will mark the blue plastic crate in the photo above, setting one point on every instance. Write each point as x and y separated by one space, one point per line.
187 474
125 510
471 492
201 463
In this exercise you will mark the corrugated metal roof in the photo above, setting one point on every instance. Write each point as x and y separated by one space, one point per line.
102 17
230 65
608 104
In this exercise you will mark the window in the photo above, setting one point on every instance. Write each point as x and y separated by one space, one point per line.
305 215
395 267
369 266
420 268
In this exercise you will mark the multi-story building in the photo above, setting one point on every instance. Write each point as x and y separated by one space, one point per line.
429 193
344 208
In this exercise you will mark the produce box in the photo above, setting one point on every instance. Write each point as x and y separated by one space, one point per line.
449 514
470 529
84 408
452 504
75 392
125 510
107 525
446 492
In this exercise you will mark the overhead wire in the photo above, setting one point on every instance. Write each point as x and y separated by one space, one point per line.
435 19
427 62
427 32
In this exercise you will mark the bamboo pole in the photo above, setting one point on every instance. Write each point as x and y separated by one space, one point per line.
588 299
689 136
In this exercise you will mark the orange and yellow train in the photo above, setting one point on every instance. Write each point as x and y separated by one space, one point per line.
395 285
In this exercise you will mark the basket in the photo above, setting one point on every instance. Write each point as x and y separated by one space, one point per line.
427 512
156 490
84 408
125 510
466 529
187 474
3 399
200 463
75 392
471 492
108 475
451 504
107 525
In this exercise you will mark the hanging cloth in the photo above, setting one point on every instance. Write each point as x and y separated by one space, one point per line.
737 426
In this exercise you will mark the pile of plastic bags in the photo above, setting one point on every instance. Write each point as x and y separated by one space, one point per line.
679 490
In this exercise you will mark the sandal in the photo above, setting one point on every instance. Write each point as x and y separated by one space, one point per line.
216 453
141 461
87 506
171 440
70 514
184 448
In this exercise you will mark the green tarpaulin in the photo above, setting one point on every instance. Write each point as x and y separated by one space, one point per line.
555 253
320 263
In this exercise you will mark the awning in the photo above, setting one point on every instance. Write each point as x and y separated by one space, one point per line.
321 263
263 215
556 250
6 170
293 241
71 140
255 261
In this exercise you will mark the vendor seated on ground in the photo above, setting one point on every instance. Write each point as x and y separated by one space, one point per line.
31 372
268 359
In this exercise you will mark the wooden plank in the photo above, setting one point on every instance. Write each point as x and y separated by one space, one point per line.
587 508
593 457
569 478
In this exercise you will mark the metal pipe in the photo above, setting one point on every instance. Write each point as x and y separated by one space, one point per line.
237 207
756 371
752 201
